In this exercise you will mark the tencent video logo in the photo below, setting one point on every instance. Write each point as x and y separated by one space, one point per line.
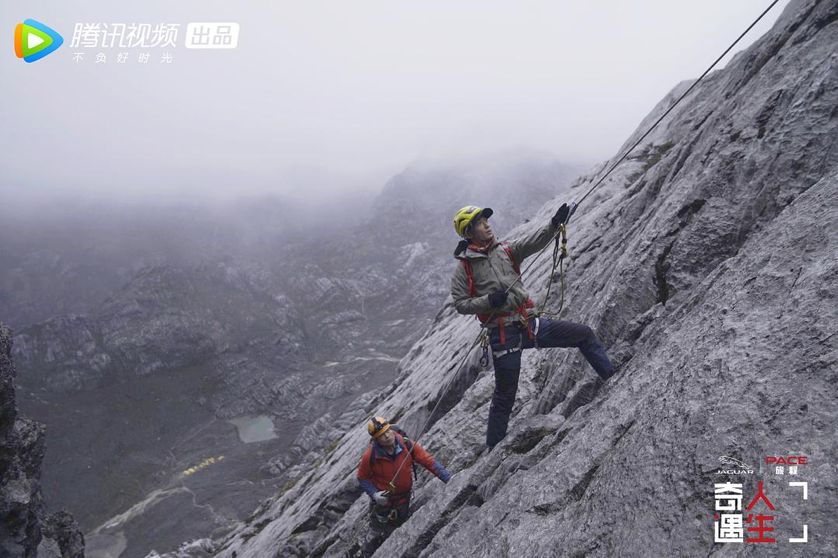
34 40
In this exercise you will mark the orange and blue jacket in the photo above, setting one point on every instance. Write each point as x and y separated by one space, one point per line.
377 469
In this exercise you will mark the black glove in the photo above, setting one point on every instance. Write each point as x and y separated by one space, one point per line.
561 215
497 298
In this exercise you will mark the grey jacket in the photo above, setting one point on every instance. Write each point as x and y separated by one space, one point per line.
493 271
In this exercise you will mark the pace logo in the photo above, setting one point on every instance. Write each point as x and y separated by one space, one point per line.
34 40
780 462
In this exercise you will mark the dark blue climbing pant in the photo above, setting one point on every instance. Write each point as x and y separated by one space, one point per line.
548 333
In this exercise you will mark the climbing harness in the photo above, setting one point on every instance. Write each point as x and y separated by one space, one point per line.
487 318
515 349
391 517
573 208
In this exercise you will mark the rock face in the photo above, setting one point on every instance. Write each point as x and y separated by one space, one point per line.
25 527
707 265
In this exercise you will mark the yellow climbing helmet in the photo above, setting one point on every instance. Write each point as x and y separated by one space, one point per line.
377 426
466 215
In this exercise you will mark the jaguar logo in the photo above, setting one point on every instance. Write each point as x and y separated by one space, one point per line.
733 466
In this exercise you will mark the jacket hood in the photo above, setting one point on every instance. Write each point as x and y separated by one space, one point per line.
463 252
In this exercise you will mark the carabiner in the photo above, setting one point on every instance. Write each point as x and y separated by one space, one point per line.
484 344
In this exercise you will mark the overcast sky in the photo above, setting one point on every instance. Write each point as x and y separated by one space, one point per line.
322 96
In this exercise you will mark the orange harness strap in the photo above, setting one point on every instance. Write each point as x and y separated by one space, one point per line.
521 310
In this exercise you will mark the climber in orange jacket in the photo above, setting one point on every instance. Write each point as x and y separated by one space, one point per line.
390 458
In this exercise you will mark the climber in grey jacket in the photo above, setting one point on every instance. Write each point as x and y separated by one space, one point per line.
486 283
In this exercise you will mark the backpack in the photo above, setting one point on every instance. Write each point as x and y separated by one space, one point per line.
407 442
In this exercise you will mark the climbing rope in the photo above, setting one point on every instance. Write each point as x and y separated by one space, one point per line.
687 92
562 230
462 361
559 255
575 205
